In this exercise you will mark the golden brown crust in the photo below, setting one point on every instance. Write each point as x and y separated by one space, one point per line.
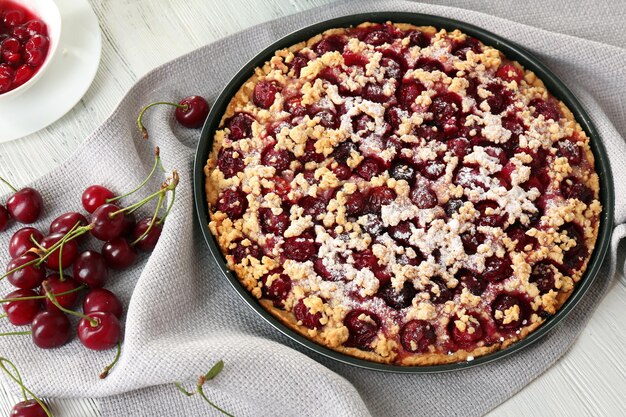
555 154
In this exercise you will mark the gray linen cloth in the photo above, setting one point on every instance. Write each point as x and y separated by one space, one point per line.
182 315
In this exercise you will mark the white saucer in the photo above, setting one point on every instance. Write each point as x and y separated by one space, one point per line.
66 80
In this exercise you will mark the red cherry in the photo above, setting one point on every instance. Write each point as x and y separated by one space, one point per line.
240 126
106 225
90 269
65 222
25 205
398 299
102 335
4 218
149 241
10 51
56 259
233 202
304 315
509 72
503 303
355 204
28 277
22 74
228 163
21 241
56 286
118 253
417 335
273 223
95 196
362 331
51 329
101 299
299 248
195 112
264 94
279 288
21 312
129 224
36 27
13 17
28 408
466 338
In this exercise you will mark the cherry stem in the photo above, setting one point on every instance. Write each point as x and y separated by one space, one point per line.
18 380
107 369
152 221
52 297
140 125
169 185
32 239
61 277
3 315
216 369
41 297
8 184
169 207
157 162
25 332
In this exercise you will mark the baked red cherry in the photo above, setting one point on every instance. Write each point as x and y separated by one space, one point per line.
417 335
240 126
4 216
548 109
65 222
58 258
439 291
510 72
118 253
51 329
472 332
363 326
25 205
90 268
471 241
378 197
22 241
241 251
273 223
474 283
192 111
329 44
423 197
280 159
147 241
508 311
107 222
95 196
101 299
28 408
21 312
264 94
543 275
355 204
57 286
398 299
497 269
299 248
230 162
233 202
100 331
277 288
304 315
418 38
29 275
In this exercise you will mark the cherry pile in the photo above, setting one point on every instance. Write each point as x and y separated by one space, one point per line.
52 271
24 45
30 407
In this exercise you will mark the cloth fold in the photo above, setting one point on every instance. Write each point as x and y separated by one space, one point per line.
183 316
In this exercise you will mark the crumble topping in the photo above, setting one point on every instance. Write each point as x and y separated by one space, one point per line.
403 194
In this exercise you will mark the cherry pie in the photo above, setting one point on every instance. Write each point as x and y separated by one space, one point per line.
403 194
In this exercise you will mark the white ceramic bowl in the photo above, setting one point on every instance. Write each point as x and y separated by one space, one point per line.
48 12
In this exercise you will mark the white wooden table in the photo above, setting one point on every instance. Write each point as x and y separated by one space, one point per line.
141 34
